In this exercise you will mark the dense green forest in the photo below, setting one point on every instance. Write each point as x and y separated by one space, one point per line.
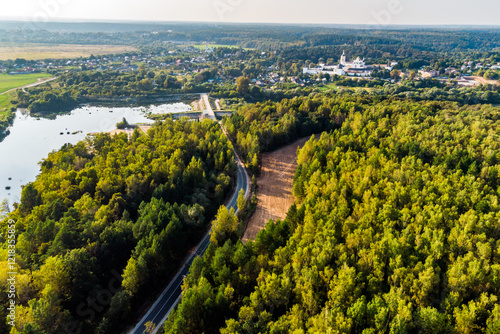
395 230
396 222
265 37
267 125
108 221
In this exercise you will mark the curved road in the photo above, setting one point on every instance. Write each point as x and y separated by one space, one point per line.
160 310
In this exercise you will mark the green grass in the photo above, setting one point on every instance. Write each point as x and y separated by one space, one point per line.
8 81
4 106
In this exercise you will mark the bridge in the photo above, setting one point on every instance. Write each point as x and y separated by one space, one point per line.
206 110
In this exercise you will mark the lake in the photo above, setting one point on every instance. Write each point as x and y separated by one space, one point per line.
31 139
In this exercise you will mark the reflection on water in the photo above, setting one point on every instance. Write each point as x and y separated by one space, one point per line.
31 139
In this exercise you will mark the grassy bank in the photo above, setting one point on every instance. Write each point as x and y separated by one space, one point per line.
4 106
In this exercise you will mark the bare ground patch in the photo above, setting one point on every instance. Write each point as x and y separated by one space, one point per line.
274 193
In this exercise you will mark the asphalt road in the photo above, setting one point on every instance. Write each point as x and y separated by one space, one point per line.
208 112
160 310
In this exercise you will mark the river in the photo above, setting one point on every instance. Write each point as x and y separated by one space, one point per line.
31 139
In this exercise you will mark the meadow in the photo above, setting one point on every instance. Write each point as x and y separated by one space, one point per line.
58 51
9 81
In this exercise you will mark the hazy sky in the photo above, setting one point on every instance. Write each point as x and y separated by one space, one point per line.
478 12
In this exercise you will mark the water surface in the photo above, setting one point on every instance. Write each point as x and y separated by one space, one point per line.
31 139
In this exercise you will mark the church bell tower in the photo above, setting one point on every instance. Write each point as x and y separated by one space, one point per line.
343 58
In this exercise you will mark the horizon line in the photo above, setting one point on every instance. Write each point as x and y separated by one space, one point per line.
322 24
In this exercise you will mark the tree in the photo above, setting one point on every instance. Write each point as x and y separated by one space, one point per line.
199 77
146 84
224 226
395 75
242 85
123 124
4 208
241 202
491 75
142 70
412 75
29 199
150 327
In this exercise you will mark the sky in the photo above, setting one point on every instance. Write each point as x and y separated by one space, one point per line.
397 12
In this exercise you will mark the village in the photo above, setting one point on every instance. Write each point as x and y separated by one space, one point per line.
191 62
359 69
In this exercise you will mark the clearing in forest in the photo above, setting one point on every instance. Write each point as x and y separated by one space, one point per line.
274 193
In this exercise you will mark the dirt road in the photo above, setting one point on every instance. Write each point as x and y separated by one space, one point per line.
486 81
275 187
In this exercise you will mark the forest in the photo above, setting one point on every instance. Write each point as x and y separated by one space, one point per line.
395 230
108 221
267 125
263 37
395 226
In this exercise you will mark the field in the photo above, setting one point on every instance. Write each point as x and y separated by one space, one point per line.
8 81
58 51
274 187
203 46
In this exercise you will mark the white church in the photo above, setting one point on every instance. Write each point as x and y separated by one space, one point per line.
356 68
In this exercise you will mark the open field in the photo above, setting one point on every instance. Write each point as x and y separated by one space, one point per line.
8 81
203 46
274 193
58 51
